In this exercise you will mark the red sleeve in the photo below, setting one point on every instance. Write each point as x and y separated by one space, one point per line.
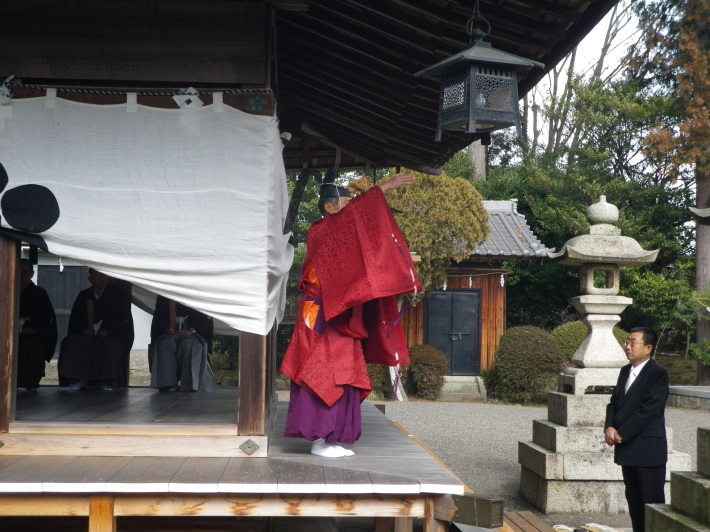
360 255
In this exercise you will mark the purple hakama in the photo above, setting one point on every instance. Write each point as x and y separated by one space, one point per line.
310 418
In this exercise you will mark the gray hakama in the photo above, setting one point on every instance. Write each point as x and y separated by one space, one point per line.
181 358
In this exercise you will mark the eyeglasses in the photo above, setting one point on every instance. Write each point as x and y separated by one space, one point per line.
633 343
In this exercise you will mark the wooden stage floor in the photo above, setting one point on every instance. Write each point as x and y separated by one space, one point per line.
387 460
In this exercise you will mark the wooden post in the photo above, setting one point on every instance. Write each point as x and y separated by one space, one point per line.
438 511
9 303
403 524
251 410
101 518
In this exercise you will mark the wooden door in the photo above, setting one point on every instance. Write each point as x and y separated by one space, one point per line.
453 327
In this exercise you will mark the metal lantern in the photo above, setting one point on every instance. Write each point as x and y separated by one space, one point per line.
479 87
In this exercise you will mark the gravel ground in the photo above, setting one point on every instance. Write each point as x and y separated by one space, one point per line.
479 443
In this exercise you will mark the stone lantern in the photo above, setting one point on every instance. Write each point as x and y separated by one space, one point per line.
600 252
567 466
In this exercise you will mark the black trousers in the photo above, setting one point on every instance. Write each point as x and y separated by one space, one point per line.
644 485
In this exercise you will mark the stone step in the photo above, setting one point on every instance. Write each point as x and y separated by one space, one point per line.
573 497
582 466
662 517
703 456
690 495
563 439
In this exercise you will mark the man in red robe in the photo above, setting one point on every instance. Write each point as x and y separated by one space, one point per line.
356 263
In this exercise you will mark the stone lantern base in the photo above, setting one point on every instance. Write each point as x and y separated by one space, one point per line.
568 468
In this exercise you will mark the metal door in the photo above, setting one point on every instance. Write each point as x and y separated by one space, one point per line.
453 327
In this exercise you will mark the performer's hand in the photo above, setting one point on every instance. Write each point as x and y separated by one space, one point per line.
103 333
28 330
169 330
184 332
396 181
88 332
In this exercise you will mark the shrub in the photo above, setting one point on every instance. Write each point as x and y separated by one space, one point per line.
528 362
224 358
283 337
381 382
424 376
570 336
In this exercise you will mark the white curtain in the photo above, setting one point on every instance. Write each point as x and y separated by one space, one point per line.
187 203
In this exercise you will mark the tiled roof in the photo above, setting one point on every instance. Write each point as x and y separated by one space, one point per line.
510 236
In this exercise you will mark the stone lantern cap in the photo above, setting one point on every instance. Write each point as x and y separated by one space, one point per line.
602 242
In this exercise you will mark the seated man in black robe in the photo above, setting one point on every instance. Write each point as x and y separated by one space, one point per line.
38 331
99 333
181 339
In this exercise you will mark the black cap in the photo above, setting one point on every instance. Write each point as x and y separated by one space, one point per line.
329 189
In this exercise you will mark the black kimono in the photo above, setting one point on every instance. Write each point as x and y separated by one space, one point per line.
38 336
94 351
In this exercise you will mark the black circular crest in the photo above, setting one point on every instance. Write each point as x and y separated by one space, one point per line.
31 208
3 178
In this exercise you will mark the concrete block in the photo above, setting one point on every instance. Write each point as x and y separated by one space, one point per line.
591 466
703 456
571 497
690 495
677 462
561 439
576 497
577 410
532 487
662 518
576 380
541 461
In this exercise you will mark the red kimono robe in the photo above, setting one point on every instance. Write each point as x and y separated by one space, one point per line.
356 263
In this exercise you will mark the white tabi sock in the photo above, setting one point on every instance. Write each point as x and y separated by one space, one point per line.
328 450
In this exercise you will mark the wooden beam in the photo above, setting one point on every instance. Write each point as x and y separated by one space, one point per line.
206 446
9 303
398 506
101 517
251 411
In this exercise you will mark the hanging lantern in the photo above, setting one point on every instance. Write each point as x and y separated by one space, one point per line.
479 87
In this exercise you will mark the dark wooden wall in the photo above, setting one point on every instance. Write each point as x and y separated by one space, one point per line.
210 41
488 281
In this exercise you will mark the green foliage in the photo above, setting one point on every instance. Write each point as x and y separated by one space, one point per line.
283 337
663 303
424 377
608 126
442 219
381 382
528 363
682 371
701 351
460 165
224 358
569 337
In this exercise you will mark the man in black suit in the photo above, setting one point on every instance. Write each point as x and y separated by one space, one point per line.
635 425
